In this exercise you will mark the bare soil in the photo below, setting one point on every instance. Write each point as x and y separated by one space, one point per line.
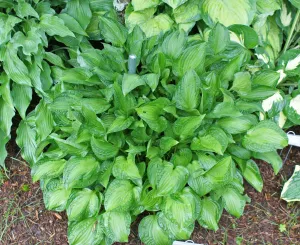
24 220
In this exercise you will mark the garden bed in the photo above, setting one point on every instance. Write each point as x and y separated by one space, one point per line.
25 220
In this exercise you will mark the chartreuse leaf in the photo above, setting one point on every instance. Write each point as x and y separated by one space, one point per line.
241 83
251 173
119 196
192 58
186 126
80 172
290 191
47 168
125 169
181 208
174 43
228 12
271 157
103 149
55 195
166 143
210 213
117 225
151 113
87 231
112 31
144 4
218 38
187 92
264 137
53 25
151 233
187 13
159 24
174 3
83 204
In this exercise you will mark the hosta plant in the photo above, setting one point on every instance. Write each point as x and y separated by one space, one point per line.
176 140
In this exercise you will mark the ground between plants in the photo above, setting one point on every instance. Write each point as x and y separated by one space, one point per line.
266 220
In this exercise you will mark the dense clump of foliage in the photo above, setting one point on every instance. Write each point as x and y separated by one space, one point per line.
212 91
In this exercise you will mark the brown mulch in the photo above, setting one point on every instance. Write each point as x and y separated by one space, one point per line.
24 220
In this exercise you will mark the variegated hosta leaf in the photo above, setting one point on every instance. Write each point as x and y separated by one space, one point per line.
292 109
83 204
144 4
237 125
47 168
125 169
87 231
290 192
151 233
103 149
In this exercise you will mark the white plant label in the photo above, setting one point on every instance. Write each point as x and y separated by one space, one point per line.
186 243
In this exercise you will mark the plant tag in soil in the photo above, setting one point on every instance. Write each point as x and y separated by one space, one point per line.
185 243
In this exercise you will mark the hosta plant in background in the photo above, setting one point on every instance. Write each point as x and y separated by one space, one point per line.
176 140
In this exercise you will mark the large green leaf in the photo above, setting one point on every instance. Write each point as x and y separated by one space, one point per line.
103 149
228 12
119 196
80 11
173 44
174 3
218 38
264 137
187 92
130 82
53 25
210 214
151 233
44 120
47 168
290 191
271 157
144 4
83 204
80 172
125 169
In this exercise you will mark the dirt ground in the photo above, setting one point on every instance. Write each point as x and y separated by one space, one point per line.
267 219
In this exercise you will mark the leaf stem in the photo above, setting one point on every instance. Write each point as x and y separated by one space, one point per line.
287 43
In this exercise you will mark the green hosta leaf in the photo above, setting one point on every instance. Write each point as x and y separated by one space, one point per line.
46 169
165 178
186 126
144 4
237 125
192 58
239 152
182 157
117 226
264 137
44 120
15 68
3 153
218 38
215 140
151 233
55 195
166 143
251 173
103 149
176 232
174 3
197 180
54 26
173 45
244 35
105 172
80 11
123 104
187 13
125 169
112 31
6 114
119 196
7 23
151 113
228 12
159 24
225 109
80 172
221 173
83 204
268 6
24 9
72 24
210 214
266 78
271 157
259 93
88 231
182 208
188 92
130 82
296 3
151 80
54 59
290 191
233 201
26 140
22 95
206 161
242 83
119 124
